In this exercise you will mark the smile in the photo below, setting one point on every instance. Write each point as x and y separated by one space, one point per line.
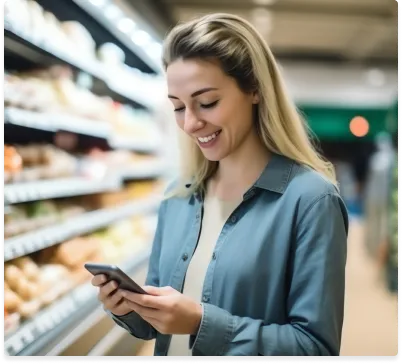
209 137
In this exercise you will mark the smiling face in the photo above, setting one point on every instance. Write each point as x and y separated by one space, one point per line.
210 107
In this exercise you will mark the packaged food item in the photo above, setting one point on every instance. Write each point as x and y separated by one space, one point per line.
29 308
12 301
11 323
28 267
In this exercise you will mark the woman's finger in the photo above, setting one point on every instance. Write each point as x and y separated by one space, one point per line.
144 300
106 290
113 301
141 310
98 280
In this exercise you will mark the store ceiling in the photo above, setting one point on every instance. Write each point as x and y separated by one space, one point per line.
358 31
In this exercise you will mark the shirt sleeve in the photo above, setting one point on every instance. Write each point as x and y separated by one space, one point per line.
315 296
133 322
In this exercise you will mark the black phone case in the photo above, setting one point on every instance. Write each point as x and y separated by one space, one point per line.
114 273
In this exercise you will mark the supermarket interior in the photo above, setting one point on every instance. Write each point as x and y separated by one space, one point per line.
84 86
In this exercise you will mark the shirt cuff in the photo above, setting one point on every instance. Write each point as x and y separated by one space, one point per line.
215 333
193 338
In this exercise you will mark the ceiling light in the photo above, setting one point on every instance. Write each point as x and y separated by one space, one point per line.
375 77
126 25
261 18
154 50
98 3
113 12
140 37
264 2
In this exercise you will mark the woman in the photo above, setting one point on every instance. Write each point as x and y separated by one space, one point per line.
250 249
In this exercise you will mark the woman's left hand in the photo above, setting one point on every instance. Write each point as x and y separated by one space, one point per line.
167 310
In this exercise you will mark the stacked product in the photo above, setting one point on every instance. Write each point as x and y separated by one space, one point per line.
35 281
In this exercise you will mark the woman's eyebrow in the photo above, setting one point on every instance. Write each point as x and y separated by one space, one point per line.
196 93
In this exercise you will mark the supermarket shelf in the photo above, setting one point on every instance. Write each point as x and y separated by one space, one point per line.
55 321
98 14
27 47
56 121
62 187
142 146
144 170
37 240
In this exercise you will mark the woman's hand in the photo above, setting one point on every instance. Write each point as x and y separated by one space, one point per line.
166 309
110 296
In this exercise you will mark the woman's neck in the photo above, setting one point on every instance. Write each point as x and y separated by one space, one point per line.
239 171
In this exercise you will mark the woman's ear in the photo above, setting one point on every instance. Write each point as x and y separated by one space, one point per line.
256 97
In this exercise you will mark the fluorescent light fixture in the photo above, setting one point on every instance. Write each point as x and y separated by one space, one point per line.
264 2
141 38
126 25
375 77
262 19
113 12
98 3
155 50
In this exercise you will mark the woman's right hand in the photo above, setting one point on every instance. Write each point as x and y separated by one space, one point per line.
109 295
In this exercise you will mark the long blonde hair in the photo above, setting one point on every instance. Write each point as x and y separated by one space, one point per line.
245 56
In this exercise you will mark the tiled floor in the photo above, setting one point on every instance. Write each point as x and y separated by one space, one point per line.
371 324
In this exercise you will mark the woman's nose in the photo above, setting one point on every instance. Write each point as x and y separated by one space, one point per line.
191 122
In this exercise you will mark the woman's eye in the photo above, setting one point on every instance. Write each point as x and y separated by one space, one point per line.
209 106
179 109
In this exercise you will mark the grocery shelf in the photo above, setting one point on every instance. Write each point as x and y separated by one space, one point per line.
144 170
85 223
56 121
54 322
108 342
98 15
52 122
142 146
40 52
22 44
54 188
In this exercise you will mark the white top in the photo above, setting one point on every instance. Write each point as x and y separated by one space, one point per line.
216 212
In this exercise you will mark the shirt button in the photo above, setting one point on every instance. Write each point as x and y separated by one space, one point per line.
205 299
214 256
184 256
233 219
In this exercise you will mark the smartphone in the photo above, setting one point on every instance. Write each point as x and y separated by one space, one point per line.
114 273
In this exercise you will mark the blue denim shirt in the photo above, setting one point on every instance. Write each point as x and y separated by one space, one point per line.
275 284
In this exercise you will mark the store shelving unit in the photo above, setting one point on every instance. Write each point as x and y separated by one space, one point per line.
43 238
22 45
58 325
62 315
55 188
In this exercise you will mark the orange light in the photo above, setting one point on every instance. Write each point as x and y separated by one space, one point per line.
359 126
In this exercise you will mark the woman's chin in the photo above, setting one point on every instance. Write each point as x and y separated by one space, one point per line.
213 157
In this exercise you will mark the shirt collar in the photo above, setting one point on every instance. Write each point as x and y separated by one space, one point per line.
275 176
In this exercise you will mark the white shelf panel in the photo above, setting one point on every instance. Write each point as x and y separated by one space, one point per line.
23 44
55 319
144 170
31 242
54 188
56 121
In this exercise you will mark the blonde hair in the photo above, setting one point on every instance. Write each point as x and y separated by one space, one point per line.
245 56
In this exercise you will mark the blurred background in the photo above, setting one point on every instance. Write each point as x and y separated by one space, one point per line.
90 145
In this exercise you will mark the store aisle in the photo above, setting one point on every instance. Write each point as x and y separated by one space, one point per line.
371 312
